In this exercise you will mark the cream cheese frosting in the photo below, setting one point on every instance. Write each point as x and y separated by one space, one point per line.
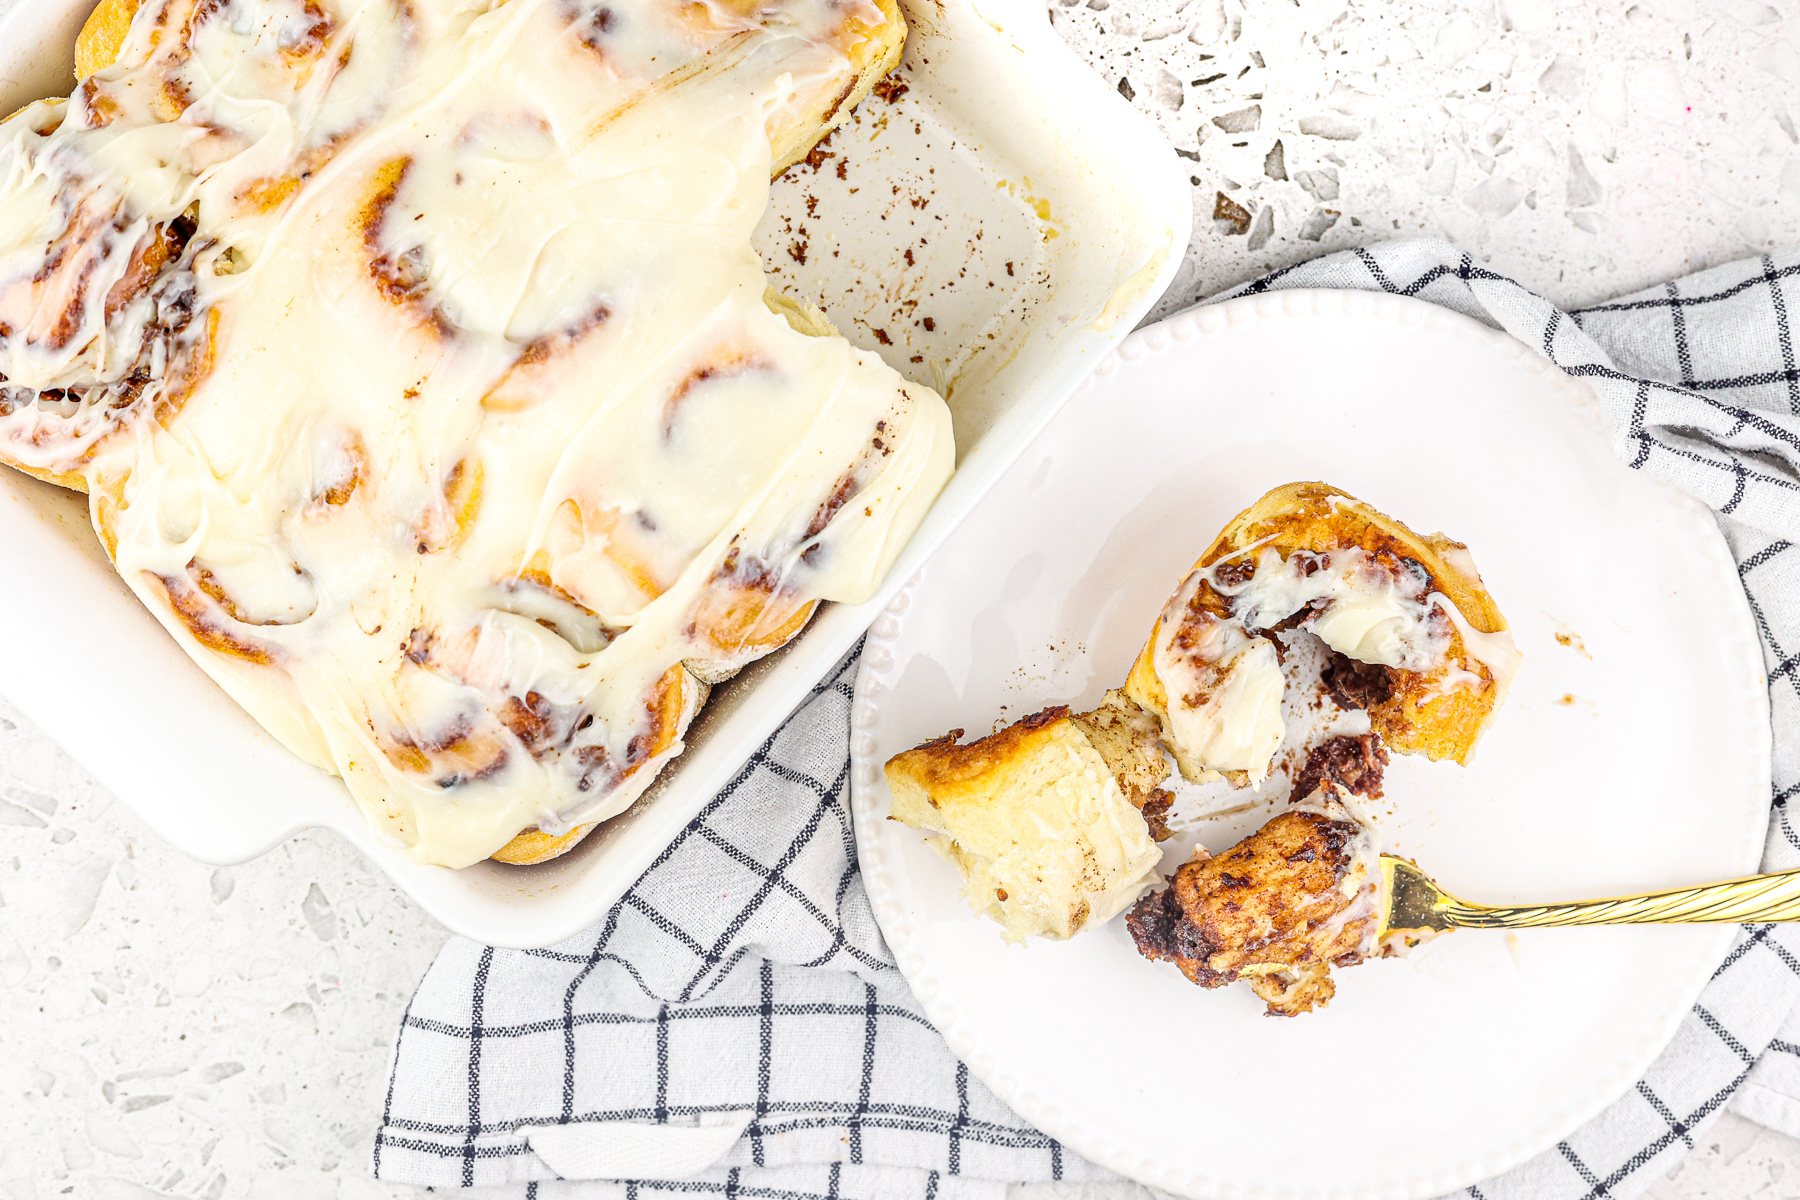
1363 608
1224 689
416 359
1222 674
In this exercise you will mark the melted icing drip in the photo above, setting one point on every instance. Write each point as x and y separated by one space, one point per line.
1356 603
1359 886
1224 688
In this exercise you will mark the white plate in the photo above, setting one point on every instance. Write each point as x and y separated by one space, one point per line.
1001 123
1479 1051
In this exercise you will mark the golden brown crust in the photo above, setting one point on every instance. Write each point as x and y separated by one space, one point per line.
1317 516
941 770
97 45
940 767
534 846
1420 716
207 622
673 703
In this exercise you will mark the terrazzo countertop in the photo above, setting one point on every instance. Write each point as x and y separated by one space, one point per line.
1585 149
168 1029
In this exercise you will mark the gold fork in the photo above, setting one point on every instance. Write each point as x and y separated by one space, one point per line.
1415 901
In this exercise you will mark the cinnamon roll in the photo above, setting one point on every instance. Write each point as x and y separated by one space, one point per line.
1413 634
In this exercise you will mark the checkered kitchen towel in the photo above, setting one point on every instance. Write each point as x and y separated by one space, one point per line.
736 1026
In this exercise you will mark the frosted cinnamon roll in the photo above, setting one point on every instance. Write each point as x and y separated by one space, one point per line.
1413 635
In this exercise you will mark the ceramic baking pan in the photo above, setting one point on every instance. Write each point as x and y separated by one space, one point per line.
994 228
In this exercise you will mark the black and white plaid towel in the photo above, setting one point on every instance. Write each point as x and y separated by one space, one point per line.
736 1026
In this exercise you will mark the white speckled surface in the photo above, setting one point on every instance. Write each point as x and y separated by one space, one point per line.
171 1030
1585 148
168 1026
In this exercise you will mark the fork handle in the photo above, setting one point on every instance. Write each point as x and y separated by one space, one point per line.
1774 897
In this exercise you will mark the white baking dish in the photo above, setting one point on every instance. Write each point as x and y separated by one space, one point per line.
1043 217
